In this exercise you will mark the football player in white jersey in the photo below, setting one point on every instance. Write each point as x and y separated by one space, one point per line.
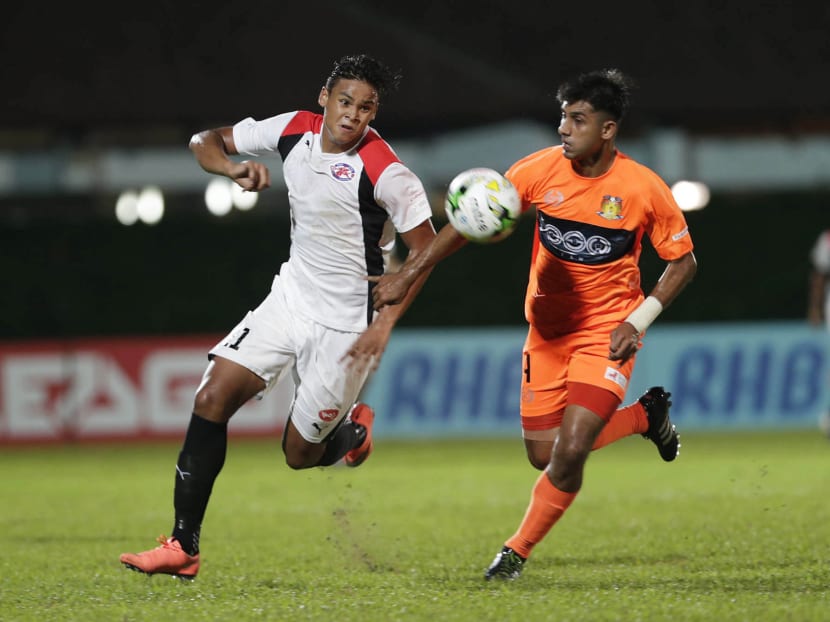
348 194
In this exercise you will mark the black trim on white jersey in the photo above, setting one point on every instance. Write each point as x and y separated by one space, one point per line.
373 217
287 143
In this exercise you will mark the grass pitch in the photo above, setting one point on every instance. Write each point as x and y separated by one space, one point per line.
738 528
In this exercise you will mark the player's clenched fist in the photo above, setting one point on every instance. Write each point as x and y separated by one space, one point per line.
251 176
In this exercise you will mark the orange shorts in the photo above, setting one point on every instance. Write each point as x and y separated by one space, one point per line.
578 359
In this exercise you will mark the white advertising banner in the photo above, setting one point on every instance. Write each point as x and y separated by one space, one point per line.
114 388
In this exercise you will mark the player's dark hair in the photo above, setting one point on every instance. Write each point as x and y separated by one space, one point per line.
607 90
366 69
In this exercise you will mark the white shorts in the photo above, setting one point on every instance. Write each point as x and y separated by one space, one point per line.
273 340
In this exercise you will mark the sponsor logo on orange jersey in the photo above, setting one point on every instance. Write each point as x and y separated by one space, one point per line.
553 198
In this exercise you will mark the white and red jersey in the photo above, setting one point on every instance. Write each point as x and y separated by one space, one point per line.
341 204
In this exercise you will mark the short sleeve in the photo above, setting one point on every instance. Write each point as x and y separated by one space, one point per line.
400 192
257 137
667 229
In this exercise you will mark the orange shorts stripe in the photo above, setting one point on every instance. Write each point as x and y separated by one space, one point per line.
598 400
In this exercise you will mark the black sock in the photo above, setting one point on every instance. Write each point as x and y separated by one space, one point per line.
347 437
201 458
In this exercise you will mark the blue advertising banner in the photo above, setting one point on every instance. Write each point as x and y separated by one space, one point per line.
465 382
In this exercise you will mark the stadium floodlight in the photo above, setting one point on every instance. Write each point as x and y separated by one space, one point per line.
691 195
150 205
243 199
218 197
126 207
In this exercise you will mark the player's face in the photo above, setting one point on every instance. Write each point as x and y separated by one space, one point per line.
583 130
347 109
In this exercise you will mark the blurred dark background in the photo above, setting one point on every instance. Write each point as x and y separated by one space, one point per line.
96 100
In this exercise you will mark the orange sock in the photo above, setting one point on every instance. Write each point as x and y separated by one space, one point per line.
624 422
547 504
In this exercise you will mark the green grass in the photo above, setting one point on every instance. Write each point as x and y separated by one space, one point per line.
737 529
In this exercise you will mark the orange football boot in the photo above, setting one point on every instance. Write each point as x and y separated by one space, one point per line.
169 558
364 416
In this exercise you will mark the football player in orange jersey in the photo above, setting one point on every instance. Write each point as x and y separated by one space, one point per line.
585 307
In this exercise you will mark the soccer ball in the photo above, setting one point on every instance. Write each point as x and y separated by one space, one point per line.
482 205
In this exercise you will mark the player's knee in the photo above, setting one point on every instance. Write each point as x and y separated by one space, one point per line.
538 460
570 455
297 463
208 403
214 404
301 456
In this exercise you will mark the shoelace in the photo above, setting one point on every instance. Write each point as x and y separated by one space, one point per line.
165 542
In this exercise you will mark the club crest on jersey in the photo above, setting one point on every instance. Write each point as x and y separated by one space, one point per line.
342 171
328 414
611 208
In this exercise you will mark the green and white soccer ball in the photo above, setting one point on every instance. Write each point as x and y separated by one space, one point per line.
482 205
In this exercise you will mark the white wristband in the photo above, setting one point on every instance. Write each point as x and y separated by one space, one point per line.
642 317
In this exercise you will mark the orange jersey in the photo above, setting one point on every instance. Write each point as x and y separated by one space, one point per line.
584 269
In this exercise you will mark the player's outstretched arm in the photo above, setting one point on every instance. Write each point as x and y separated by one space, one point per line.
394 288
365 353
